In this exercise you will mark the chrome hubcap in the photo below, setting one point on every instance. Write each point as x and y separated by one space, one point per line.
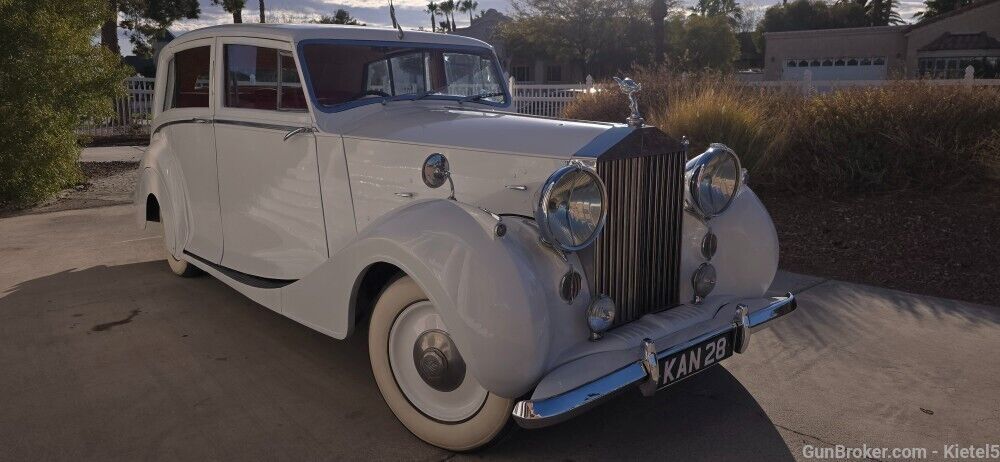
438 361
428 368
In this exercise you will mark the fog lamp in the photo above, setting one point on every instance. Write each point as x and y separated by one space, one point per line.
703 281
600 316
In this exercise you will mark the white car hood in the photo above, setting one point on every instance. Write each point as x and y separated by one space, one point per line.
480 130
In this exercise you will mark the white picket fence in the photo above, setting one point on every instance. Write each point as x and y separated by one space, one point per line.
546 100
132 113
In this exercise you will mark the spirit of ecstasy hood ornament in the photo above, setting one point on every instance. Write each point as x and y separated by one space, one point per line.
630 88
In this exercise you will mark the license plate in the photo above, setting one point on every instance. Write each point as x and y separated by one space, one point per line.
683 364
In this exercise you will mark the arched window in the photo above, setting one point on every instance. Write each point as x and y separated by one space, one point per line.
839 62
791 63
814 63
803 63
866 62
827 63
879 62
852 62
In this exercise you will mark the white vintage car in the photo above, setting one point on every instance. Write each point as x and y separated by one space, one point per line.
507 268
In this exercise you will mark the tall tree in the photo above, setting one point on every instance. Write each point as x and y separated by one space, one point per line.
434 10
933 8
812 14
598 37
706 42
235 7
144 21
728 8
658 11
341 16
882 12
468 6
261 6
448 9
53 78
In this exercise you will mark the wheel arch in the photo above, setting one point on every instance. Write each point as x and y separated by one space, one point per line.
498 295
370 284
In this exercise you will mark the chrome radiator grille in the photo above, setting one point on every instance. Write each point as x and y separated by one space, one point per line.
637 257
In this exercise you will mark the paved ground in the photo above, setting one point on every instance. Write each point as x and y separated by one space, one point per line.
104 355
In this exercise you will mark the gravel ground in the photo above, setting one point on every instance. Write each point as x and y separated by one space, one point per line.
935 244
108 183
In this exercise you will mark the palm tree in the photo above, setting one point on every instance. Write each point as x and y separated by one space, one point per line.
262 12
936 7
434 10
468 6
233 6
448 8
883 12
657 13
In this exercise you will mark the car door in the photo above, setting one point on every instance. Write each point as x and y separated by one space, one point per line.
272 212
186 111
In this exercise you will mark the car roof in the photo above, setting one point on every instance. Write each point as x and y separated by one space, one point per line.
298 32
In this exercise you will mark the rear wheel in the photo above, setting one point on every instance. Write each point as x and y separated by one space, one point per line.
179 267
424 378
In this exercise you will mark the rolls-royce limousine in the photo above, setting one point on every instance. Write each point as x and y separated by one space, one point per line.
507 269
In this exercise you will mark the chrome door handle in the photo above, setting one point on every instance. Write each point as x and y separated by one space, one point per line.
199 120
297 131
404 194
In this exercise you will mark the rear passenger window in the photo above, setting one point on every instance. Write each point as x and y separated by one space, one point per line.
262 78
188 78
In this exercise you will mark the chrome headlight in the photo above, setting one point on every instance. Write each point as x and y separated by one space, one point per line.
713 179
571 208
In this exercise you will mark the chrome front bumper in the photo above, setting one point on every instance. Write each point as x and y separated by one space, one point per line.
643 372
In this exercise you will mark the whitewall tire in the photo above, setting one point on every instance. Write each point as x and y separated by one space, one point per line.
423 377
179 267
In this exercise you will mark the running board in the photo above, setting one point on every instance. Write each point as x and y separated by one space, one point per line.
244 278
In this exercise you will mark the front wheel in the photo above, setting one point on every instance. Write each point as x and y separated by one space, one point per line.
424 378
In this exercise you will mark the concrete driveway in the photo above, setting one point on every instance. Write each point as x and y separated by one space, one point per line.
105 355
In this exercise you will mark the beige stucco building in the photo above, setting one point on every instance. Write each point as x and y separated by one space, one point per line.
941 47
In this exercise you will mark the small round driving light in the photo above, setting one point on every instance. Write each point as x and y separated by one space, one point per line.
569 286
703 281
709 244
600 316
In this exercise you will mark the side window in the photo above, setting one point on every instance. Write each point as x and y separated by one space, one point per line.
262 78
188 79
290 94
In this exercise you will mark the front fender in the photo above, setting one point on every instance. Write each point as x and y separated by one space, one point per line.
497 295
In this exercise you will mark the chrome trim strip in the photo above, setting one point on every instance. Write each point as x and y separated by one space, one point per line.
549 411
196 120
243 123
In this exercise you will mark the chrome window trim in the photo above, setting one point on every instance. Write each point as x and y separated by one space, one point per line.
241 123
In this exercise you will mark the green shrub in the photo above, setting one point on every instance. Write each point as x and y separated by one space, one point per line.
51 78
905 135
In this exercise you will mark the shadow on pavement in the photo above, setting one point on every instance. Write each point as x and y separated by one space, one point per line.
132 362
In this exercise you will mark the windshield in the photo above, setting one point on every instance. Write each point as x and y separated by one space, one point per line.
343 76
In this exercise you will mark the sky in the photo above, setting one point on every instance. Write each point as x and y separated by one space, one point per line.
410 13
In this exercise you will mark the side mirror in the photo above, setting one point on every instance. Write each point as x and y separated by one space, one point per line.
436 171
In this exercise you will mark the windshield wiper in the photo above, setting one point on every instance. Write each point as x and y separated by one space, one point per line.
480 96
425 94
